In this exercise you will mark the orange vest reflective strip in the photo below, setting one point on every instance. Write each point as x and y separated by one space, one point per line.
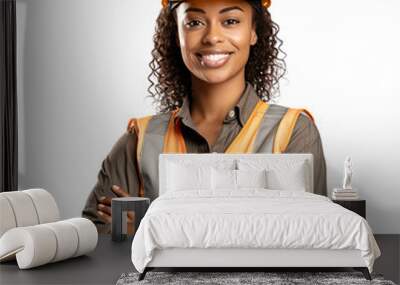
173 139
139 125
285 129
243 142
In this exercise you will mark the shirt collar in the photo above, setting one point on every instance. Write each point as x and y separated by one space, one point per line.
243 107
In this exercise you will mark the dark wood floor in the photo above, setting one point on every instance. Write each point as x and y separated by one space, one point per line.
388 263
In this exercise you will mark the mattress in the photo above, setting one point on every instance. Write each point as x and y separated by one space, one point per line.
253 218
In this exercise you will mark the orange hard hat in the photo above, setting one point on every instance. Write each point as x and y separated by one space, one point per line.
165 3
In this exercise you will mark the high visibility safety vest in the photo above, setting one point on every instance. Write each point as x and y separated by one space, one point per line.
173 141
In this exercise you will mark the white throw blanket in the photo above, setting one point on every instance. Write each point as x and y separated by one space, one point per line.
251 218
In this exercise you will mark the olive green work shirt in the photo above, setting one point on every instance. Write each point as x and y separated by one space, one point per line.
119 166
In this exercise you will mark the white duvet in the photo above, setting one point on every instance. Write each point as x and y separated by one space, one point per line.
251 218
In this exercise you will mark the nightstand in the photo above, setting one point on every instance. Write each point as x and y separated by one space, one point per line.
119 206
357 206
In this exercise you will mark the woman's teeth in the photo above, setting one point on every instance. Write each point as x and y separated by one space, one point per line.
214 60
215 57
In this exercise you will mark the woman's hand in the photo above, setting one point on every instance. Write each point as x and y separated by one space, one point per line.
104 209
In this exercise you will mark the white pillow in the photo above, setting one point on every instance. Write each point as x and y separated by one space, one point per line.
223 179
183 177
223 164
251 178
230 179
289 178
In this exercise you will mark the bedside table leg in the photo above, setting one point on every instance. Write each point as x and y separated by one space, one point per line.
117 220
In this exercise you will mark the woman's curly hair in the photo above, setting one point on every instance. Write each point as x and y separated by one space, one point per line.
263 70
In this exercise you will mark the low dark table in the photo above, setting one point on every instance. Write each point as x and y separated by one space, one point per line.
119 208
104 265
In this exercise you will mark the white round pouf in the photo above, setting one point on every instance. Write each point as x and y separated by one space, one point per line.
40 244
67 239
7 216
31 232
23 208
87 234
46 206
33 246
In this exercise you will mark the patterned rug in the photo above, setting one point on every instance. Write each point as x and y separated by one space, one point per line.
243 278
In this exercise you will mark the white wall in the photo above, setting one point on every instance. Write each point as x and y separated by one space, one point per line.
344 65
82 73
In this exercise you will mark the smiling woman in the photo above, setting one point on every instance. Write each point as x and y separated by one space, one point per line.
215 67
243 30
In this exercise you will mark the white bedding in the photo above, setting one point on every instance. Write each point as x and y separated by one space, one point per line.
251 218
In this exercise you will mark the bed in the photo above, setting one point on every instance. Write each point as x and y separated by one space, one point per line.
245 211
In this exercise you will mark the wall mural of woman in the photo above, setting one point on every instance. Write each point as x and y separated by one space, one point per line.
216 67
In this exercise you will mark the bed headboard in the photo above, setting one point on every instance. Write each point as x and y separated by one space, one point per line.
266 159
210 158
